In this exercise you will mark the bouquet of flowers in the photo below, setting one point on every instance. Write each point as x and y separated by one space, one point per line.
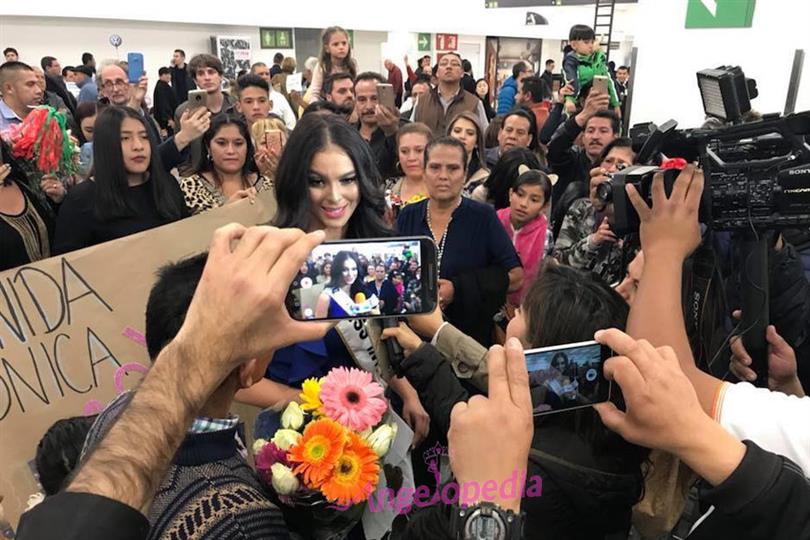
42 142
326 458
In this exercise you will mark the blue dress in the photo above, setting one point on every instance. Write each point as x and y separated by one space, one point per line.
294 364
475 239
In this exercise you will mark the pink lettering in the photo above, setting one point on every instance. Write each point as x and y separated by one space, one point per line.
421 497
445 497
490 490
469 493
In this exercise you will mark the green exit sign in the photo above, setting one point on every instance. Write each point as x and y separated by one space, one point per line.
423 42
276 38
720 13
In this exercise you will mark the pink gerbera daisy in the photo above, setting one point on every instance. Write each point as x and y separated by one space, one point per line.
350 397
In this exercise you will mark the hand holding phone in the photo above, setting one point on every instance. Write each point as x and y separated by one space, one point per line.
385 95
600 84
366 279
135 65
272 141
197 99
568 376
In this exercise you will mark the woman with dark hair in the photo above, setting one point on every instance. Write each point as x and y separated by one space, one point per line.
343 286
311 197
130 192
495 189
592 477
26 217
226 171
85 118
466 129
327 180
476 259
482 91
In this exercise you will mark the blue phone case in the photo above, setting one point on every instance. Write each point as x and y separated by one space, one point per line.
135 63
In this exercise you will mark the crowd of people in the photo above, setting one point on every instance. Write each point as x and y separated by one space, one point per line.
505 184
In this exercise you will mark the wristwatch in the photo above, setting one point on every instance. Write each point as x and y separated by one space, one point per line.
486 521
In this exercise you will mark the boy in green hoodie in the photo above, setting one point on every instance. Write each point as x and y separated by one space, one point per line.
582 63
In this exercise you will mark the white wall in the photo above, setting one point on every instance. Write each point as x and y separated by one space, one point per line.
670 55
157 41
447 16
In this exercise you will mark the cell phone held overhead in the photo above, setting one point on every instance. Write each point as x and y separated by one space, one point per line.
197 99
567 377
360 279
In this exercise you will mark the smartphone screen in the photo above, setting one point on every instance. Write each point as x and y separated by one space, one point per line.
567 376
385 95
135 65
365 279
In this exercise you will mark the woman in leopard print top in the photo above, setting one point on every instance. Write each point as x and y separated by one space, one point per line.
227 171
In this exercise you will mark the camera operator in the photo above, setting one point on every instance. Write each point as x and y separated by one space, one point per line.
572 163
669 233
585 240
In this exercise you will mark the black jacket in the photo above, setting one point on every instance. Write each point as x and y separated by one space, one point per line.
164 104
58 87
587 492
764 498
569 162
479 294
182 82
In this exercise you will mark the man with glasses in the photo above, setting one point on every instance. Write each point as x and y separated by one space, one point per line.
448 99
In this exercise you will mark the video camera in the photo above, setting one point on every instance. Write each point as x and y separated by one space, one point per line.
757 174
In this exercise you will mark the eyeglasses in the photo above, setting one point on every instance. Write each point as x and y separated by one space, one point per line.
118 83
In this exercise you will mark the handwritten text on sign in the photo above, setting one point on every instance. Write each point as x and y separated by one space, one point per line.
37 310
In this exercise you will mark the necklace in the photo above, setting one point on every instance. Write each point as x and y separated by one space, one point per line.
444 234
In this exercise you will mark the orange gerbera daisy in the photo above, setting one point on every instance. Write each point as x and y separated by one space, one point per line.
355 475
318 451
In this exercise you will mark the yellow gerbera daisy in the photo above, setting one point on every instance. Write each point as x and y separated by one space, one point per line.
311 396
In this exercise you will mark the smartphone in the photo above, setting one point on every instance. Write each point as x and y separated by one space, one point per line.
567 377
272 140
361 279
600 84
385 95
197 99
135 64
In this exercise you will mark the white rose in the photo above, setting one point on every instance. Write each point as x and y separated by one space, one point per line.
258 444
380 441
285 438
284 480
292 417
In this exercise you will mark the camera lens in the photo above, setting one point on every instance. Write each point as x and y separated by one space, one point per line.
604 191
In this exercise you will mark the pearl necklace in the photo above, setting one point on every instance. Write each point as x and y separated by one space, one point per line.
444 235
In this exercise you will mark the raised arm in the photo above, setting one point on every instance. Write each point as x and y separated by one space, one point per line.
669 233
241 295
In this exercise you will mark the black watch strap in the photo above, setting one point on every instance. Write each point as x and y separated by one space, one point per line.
465 520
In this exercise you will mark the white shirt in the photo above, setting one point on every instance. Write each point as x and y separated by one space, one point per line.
282 108
774 421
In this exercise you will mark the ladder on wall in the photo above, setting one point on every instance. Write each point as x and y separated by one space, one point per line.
603 24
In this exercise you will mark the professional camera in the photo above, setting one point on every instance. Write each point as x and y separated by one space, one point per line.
757 174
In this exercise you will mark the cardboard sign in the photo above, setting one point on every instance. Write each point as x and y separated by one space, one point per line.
71 332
